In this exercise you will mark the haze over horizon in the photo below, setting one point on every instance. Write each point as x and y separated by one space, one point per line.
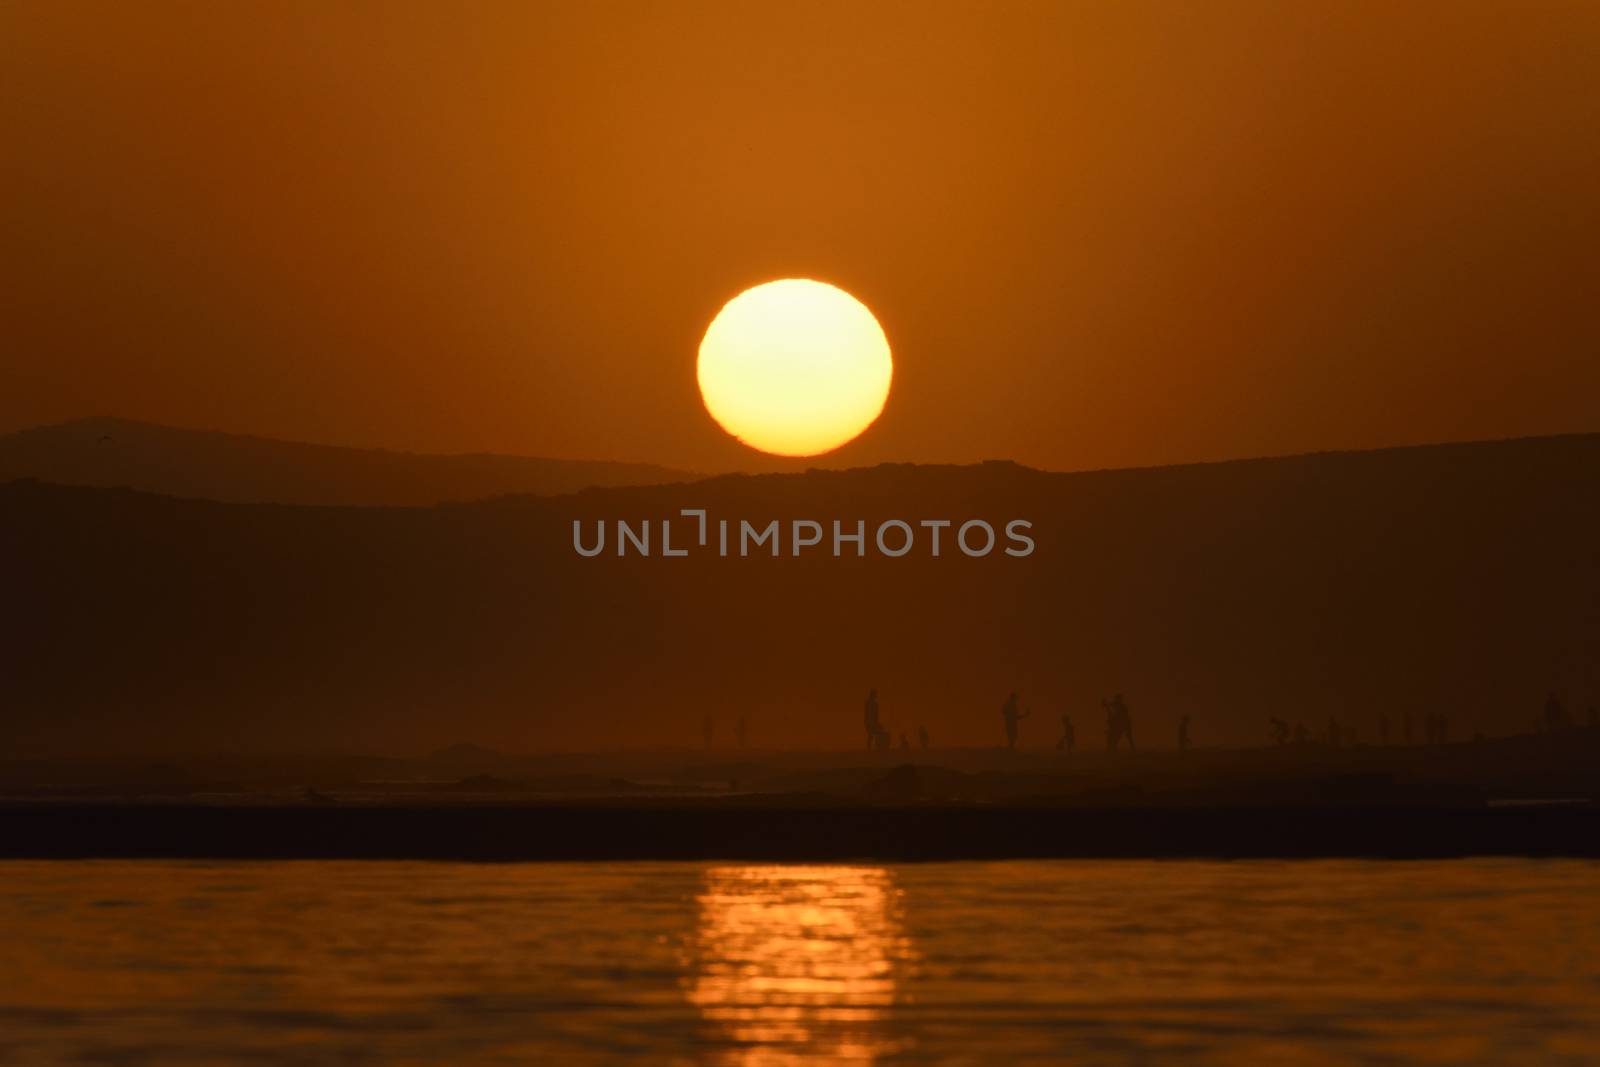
1095 236
208 464
1457 579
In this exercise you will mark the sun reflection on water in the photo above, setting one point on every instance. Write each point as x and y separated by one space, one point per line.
791 963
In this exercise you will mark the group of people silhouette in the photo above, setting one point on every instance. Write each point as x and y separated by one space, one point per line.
878 738
1119 726
1435 727
741 731
1556 718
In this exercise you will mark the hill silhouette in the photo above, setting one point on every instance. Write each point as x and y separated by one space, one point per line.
120 453
1459 579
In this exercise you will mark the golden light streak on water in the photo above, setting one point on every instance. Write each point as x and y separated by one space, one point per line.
797 963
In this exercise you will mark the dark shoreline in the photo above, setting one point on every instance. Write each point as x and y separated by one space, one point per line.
777 832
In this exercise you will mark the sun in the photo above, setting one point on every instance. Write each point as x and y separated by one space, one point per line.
794 367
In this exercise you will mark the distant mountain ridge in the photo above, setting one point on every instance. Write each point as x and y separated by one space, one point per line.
211 465
1371 588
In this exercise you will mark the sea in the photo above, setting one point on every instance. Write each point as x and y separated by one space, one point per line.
1081 962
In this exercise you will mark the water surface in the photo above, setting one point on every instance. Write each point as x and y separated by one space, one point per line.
1083 961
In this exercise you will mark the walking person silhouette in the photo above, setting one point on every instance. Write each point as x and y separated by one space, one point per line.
1069 736
1280 730
1012 716
870 719
1119 723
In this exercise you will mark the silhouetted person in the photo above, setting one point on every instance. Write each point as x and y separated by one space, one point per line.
1183 734
922 736
1333 732
740 729
1012 716
870 718
1407 728
905 742
1280 730
1441 728
1555 714
1301 734
708 730
1119 723
1069 736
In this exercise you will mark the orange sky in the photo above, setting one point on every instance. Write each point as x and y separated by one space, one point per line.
1096 233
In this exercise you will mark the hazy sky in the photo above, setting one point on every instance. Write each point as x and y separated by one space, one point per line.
1096 233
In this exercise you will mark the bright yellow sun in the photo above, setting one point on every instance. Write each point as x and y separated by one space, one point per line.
794 367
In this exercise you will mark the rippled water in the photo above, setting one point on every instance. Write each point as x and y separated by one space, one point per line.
416 963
